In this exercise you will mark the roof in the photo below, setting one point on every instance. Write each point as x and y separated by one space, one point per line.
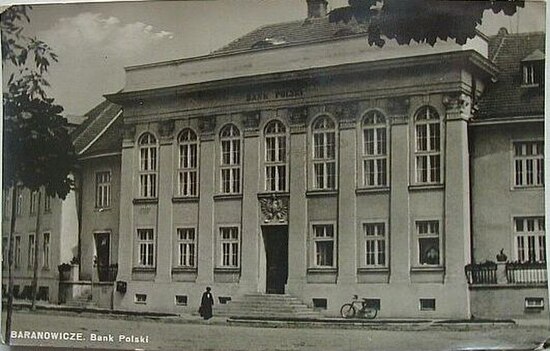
100 122
507 97
296 32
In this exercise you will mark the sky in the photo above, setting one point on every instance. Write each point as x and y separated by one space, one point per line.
95 41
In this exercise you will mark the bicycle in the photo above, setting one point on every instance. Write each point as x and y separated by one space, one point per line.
350 310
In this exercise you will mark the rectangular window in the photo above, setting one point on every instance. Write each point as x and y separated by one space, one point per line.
19 204
103 189
429 243
529 164
530 239
17 252
536 303
146 247
32 247
181 300
533 72
186 247
47 203
6 203
187 166
46 251
229 240
324 160
140 299
375 244
275 163
34 202
374 156
427 304
324 253
427 146
148 166
5 249
230 166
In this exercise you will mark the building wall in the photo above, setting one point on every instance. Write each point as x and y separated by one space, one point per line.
345 98
508 302
493 183
50 222
95 219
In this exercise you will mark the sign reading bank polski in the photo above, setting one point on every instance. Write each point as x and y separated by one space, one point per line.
78 337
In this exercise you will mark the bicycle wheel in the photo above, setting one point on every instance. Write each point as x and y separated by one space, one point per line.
347 311
370 313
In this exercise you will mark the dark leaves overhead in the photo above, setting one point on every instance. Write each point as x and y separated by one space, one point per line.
37 149
422 21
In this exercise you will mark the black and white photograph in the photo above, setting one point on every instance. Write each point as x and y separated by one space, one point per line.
274 175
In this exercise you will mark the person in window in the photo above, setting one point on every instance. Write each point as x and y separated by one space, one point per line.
432 256
207 302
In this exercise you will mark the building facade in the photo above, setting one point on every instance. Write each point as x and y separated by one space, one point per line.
300 160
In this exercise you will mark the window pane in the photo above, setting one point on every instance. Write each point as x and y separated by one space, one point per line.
428 250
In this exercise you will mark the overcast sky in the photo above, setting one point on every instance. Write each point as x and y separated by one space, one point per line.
96 41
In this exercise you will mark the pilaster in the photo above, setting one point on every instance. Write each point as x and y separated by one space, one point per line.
164 230
205 237
398 109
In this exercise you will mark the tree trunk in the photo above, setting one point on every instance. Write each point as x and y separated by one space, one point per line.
9 306
34 284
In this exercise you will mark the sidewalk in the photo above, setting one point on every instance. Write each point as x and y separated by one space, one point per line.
322 322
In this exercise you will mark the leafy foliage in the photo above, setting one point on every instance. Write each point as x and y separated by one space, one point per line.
422 21
37 146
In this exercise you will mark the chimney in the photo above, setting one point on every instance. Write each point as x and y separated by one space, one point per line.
316 8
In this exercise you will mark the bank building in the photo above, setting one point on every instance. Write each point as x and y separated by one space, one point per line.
298 163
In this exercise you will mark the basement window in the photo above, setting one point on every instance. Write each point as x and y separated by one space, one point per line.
534 303
427 304
224 299
373 304
140 299
181 300
319 304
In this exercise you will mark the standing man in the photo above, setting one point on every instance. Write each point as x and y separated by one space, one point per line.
206 304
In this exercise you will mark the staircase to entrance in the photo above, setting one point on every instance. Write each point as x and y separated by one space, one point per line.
266 306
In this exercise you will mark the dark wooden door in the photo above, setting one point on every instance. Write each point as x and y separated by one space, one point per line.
276 247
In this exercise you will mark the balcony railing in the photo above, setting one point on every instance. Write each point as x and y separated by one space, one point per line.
481 273
509 273
107 273
526 273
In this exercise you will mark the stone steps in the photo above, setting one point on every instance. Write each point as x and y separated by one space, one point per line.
265 306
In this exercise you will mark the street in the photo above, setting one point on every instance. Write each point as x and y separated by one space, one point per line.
93 331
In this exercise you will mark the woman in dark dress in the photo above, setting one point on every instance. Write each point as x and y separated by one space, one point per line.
206 304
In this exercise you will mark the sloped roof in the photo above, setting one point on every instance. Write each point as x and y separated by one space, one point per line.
97 120
507 97
296 32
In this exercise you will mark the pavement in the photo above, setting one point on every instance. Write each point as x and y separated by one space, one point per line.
323 322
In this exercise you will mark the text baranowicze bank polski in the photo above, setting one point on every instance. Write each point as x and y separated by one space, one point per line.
79 336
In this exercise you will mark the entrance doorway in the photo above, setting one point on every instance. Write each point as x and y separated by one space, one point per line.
276 252
103 258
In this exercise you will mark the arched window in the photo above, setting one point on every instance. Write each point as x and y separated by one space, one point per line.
427 145
375 150
148 166
230 164
187 163
324 153
275 156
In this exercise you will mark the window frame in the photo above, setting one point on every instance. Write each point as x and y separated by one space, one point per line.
187 242
235 182
47 203
515 158
184 174
19 201
324 161
46 250
150 171
539 247
222 241
267 164
313 239
33 202
31 250
106 190
440 236
364 240
364 156
17 251
532 73
139 242
429 151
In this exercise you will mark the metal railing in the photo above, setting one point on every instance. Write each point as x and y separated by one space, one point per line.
481 273
526 273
